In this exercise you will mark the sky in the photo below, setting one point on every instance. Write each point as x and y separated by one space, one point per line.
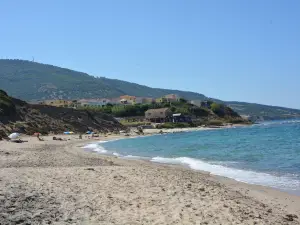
243 50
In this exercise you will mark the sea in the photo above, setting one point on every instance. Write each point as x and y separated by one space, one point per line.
265 154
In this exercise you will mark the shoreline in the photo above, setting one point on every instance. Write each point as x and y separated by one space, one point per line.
162 160
105 189
191 129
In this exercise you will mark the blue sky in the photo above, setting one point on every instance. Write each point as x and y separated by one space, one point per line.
233 50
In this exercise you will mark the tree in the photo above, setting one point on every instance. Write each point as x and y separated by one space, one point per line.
182 100
217 109
200 112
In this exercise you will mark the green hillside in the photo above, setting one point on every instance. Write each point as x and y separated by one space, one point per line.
265 111
35 81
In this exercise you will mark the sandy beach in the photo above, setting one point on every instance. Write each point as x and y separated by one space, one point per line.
58 182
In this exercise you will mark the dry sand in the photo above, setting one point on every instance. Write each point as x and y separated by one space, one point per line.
57 182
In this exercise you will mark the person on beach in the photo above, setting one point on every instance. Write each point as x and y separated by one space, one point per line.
38 137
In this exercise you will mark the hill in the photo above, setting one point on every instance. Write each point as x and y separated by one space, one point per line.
35 81
18 116
259 111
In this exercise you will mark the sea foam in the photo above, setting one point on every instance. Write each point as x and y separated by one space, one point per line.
95 147
246 176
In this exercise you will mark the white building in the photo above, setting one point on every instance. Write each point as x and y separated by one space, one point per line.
94 102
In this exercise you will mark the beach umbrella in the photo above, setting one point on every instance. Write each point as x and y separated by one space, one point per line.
14 135
36 134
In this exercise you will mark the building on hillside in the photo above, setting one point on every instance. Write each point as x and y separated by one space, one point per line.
75 104
143 100
104 101
172 98
130 99
115 101
124 101
57 102
168 98
94 102
161 100
180 118
158 115
139 100
148 100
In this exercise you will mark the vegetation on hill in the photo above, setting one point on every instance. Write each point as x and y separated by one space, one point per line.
264 111
35 81
140 109
18 116
200 115
6 105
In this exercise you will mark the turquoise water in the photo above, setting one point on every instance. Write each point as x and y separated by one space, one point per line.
266 154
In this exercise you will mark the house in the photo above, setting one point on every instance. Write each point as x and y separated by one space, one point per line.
104 101
115 101
168 98
94 102
158 115
161 100
124 101
139 100
130 99
148 100
58 102
75 104
172 98
180 118
143 100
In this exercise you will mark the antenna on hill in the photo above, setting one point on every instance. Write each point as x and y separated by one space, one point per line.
32 59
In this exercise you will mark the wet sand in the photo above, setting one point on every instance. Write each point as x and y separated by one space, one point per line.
57 182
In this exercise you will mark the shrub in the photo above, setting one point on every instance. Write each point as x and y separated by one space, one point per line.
200 112
214 122
173 125
218 109
6 105
238 121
